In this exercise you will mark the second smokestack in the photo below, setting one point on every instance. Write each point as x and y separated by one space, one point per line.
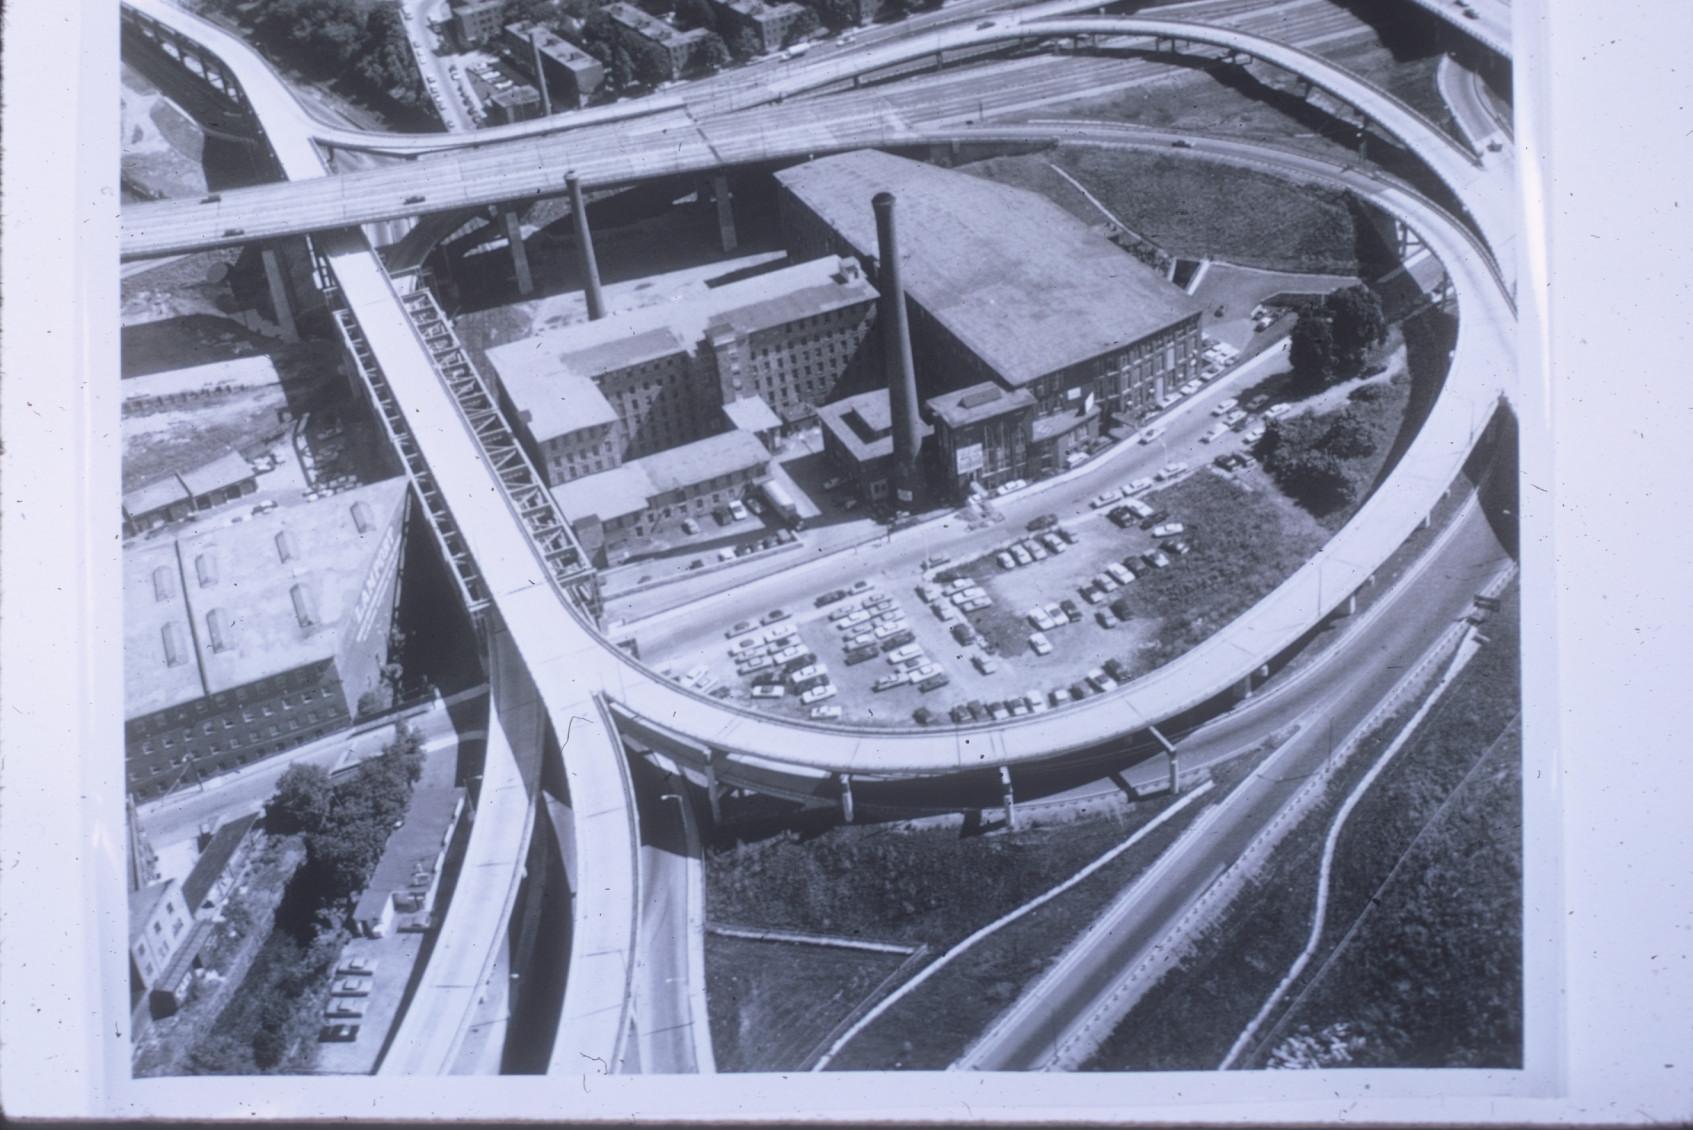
585 249
896 347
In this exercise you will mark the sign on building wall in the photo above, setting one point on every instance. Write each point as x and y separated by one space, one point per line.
969 458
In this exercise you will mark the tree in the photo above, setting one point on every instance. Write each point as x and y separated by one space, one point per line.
744 42
713 52
1356 319
1349 436
302 799
805 22
649 63
695 13
838 14
1311 349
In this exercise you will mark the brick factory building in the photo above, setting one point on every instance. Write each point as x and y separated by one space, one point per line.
252 639
1005 288
589 397
614 510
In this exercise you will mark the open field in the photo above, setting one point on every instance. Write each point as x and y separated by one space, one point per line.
1194 209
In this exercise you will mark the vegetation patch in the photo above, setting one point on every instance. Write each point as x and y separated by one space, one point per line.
1426 905
1328 462
917 886
936 1024
1244 545
772 1004
269 1025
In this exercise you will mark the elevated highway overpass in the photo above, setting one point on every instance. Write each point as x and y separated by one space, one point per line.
565 688
1490 26
484 171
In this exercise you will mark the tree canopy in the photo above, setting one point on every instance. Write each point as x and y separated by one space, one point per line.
302 799
1334 337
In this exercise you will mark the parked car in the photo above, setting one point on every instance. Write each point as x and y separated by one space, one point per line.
340 1007
1105 498
1040 644
1152 433
1044 522
1107 618
934 682
351 987
1224 407
818 694
1135 486
357 966
338 1033
769 690
862 655
888 682
774 615
826 713
1171 470
1167 530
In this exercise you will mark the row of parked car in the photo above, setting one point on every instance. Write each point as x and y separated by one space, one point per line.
1108 676
347 1000
1035 547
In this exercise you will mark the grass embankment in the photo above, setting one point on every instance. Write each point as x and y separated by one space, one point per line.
1424 965
936 1023
924 886
772 1003
1197 209
1189 1019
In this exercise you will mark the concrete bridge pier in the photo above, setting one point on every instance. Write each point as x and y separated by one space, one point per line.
280 298
846 798
1010 797
713 795
1173 756
519 253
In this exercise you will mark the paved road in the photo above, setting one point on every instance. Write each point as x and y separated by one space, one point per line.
1491 25
672 1031
1330 708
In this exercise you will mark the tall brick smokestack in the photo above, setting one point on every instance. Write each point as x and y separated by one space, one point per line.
585 249
896 350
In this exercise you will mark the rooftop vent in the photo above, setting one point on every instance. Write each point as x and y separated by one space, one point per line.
304 611
219 631
206 568
163 586
978 398
363 518
286 550
175 653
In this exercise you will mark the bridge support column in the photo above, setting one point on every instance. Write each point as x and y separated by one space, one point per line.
725 212
846 798
1170 754
1010 798
711 794
585 249
1352 605
519 253
1427 521
279 298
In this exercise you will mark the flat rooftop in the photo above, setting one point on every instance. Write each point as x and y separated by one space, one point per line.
605 495
527 368
218 609
1023 284
703 460
979 402
863 424
226 469
651 27
751 414
413 848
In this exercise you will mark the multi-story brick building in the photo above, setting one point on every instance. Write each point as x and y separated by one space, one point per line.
249 640
1005 287
571 74
681 48
768 25
588 397
613 511
478 21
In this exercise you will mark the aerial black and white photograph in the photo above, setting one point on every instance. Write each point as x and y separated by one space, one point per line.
689 537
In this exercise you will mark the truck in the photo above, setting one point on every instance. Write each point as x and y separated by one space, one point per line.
781 502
